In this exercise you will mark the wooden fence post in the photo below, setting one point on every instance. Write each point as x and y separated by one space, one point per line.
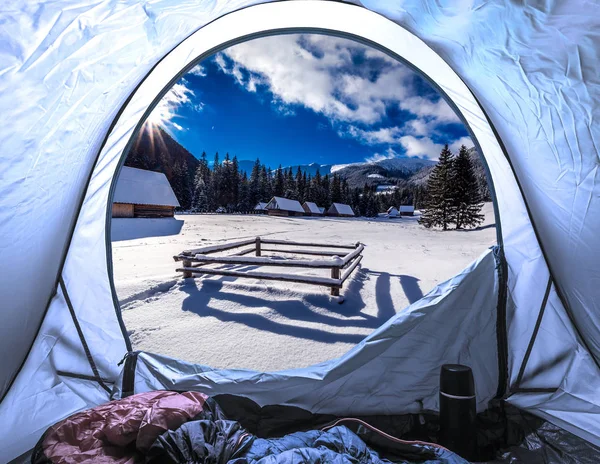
335 274
187 263
258 252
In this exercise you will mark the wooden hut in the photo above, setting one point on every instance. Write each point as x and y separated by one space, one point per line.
340 210
407 210
260 208
279 206
141 193
392 212
311 209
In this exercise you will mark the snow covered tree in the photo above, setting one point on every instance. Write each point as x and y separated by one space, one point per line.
466 192
200 197
440 203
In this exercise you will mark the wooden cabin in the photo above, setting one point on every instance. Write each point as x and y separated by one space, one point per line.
279 206
392 212
260 208
407 210
311 209
141 193
340 210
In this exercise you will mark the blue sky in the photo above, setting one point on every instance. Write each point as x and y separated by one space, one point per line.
303 98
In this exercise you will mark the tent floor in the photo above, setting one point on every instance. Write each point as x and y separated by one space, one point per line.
507 435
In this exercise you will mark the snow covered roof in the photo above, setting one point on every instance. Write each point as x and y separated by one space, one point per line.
312 207
392 209
386 188
407 209
141 187
341 208
285 204
260 206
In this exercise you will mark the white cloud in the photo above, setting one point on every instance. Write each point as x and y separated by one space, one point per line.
319 73
423 107
179 95
388 154
384 135
323 79
198 70
466 141
425 147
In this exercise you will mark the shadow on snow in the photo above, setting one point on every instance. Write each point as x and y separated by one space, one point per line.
347 315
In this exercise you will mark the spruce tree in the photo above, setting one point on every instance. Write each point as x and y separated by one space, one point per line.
466 194
265 189
300 185
440 204
254 184
336 189
235 182
279 186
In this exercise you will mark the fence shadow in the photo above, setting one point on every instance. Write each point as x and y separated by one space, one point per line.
203 294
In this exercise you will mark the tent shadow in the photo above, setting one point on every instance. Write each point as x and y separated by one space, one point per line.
133 228
410 286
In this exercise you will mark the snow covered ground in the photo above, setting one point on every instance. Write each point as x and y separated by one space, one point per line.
268 325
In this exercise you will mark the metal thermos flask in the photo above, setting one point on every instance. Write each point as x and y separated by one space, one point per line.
457 410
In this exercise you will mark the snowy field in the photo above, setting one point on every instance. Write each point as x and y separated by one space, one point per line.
269 325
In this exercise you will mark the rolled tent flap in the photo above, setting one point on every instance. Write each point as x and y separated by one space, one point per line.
394 370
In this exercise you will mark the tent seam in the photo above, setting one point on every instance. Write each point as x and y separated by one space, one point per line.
86 348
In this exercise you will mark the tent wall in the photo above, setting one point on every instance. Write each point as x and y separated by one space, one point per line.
453 323
534 68
68 80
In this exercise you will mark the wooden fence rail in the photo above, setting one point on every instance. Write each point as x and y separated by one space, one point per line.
195 261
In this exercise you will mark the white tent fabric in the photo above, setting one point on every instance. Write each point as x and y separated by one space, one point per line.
76 81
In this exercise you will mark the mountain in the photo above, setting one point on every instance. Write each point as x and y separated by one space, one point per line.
420 178
312 168
388 171
156 150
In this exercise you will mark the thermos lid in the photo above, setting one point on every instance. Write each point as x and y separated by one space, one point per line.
457 380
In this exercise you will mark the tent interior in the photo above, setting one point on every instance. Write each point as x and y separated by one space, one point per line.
524 316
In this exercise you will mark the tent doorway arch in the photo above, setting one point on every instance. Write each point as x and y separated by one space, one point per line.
86 294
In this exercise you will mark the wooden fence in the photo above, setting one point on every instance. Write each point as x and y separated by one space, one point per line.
340 263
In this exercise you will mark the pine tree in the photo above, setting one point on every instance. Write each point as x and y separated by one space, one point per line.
235 182
265 189
300 188
279 186
466 194
200 197
290 188
336 189
440 204
245 204
216 184
254 188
